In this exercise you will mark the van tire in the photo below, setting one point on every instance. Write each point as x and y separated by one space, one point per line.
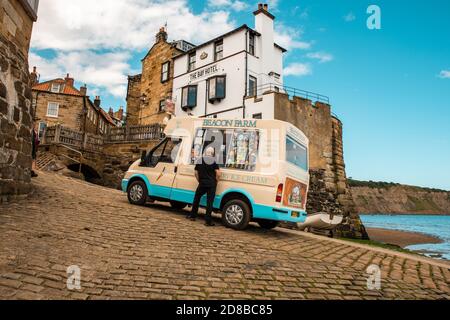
236 209
137 193
178 205
268 224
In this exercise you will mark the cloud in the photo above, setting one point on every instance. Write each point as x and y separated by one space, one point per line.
321 56
290 38
236 5
349 17
297 69
100 71
444 74
130 24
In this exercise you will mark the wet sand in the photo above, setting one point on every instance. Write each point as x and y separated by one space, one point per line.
400 238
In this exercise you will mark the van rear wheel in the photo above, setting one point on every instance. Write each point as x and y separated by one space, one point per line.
137 193
268 224
236 214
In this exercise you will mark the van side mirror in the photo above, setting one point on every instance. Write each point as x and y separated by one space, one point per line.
143 156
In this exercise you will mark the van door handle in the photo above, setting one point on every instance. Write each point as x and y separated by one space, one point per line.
175 170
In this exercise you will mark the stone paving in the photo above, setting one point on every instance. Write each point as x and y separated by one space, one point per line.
153 252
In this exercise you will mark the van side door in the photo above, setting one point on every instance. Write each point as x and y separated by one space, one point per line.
160 167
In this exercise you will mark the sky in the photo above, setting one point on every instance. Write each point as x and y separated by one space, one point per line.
389 86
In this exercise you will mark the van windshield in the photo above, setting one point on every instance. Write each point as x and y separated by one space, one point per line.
296 153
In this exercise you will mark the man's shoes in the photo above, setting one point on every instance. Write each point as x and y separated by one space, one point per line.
209 224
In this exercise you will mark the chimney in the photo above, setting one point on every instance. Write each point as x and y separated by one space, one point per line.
111 112
69 81
264 24
34 77
161 36
97 101
83 90
120 113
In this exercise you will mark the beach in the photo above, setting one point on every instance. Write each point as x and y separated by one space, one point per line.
401 238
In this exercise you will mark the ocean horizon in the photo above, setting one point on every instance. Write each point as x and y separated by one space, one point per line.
434 225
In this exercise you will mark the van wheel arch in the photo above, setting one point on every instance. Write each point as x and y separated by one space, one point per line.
236 196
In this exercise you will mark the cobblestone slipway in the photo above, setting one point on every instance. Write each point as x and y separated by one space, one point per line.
152 252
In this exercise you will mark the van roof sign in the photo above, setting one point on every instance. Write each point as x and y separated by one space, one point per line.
230 123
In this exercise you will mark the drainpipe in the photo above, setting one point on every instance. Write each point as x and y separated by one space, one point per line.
246 73
84 122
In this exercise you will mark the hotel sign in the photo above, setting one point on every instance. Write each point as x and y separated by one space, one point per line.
204 72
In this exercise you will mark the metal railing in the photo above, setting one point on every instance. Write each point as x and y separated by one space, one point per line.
290 91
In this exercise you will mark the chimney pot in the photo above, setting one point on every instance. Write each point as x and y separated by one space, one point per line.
260 5
266 7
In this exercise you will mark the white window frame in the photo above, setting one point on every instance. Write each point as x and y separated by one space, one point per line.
54 86
57 110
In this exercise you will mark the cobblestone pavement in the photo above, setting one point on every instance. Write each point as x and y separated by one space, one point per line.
128 252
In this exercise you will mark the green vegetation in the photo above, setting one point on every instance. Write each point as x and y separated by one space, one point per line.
387 185
380 245
423 204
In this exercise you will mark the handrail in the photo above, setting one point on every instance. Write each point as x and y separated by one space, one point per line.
76 151
261 89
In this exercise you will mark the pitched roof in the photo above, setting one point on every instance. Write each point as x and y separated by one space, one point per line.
66 88
102 112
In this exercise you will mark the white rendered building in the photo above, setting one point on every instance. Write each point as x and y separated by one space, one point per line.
226 77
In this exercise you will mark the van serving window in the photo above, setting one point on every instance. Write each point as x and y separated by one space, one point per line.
216 88
235 149
296 153
189 97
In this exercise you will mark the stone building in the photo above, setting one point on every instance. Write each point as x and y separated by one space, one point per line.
148 91
58 102
16 24
118 117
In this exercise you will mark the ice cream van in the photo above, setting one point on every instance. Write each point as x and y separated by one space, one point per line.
264 170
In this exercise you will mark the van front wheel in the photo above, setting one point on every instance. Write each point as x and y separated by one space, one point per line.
236 214
137 193
268 224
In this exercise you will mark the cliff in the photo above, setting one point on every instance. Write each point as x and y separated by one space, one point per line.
391 198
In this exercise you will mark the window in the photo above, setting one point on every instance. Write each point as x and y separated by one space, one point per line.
56 87
257 116
218 50
191 62
164 152
189 97
236 149
251 44
252 86
165 69
52 110
296 154
162 106
216 88
42 127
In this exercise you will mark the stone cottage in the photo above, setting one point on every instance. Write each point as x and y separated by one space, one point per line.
57 101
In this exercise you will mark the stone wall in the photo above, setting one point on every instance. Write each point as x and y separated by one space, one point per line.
15 100
329 189
117 159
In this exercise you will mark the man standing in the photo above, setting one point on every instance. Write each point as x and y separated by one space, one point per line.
207 173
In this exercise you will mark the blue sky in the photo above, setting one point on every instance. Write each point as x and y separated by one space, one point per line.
390 87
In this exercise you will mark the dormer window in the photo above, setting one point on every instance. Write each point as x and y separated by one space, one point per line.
56 87
216 88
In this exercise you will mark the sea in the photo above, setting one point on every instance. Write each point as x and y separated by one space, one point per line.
437 226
